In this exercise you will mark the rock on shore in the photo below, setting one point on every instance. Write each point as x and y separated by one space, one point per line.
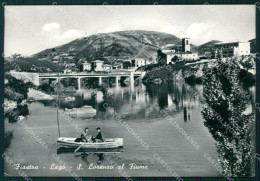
82 113
38 95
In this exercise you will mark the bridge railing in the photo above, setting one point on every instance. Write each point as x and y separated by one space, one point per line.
91 73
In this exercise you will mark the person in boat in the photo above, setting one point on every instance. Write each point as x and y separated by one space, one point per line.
99 137
84 137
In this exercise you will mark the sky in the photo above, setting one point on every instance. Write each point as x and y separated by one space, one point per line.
31 29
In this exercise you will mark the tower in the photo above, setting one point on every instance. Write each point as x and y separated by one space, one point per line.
185 44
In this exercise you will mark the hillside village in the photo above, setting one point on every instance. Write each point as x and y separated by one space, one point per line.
164 56
180 51
108 52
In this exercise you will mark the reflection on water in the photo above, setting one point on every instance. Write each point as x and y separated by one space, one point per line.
138 103
98 154
20 110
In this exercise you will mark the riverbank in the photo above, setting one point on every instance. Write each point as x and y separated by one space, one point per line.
193 73
176 72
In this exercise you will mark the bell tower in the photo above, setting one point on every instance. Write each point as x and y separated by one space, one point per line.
185 44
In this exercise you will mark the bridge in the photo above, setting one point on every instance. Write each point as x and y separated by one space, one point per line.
115 74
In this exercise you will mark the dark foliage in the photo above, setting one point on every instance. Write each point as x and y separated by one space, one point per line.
32 65
247 78
225 118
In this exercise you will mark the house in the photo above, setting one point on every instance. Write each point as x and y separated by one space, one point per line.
85 66
138 62
97 65
229 49
67 71
70 64
126 64
118 65
107 67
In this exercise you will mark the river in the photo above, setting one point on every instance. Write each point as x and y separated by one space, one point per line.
143 108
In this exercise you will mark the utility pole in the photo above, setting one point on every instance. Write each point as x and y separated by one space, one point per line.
58 95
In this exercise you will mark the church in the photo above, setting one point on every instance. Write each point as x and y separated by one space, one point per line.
172 56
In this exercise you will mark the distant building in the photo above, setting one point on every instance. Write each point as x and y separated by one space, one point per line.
126 64
67 71
138 62
97 65
186 45
229 49
82 59
172 56
85 66
70 64
107 67
118 66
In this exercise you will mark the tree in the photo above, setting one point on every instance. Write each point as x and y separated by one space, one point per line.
247 62
161 58
175 59
225 118
219 54
16 56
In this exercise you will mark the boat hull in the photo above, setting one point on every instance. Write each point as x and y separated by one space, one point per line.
108 143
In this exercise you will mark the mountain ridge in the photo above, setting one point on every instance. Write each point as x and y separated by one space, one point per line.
118 45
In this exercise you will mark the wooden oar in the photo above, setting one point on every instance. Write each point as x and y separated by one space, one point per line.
79 147
99 153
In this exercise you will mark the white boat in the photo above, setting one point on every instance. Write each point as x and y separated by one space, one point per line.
108 143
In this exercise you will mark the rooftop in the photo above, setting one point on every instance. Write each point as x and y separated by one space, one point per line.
85 63
138 59
100 61
230 42
174 53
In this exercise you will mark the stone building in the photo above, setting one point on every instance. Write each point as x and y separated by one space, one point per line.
229 49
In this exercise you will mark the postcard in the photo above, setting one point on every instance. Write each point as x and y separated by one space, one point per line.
130 91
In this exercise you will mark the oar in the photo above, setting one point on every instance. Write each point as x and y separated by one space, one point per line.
79 147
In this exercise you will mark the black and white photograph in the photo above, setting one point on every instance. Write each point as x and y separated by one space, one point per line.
130 91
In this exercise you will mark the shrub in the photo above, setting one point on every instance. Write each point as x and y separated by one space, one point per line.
247 78
46 87
199 80
190 80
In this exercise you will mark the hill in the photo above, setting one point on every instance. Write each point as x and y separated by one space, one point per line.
122 45
207 46
31 65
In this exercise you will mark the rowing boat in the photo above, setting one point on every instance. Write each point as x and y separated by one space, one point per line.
63 150
108 143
